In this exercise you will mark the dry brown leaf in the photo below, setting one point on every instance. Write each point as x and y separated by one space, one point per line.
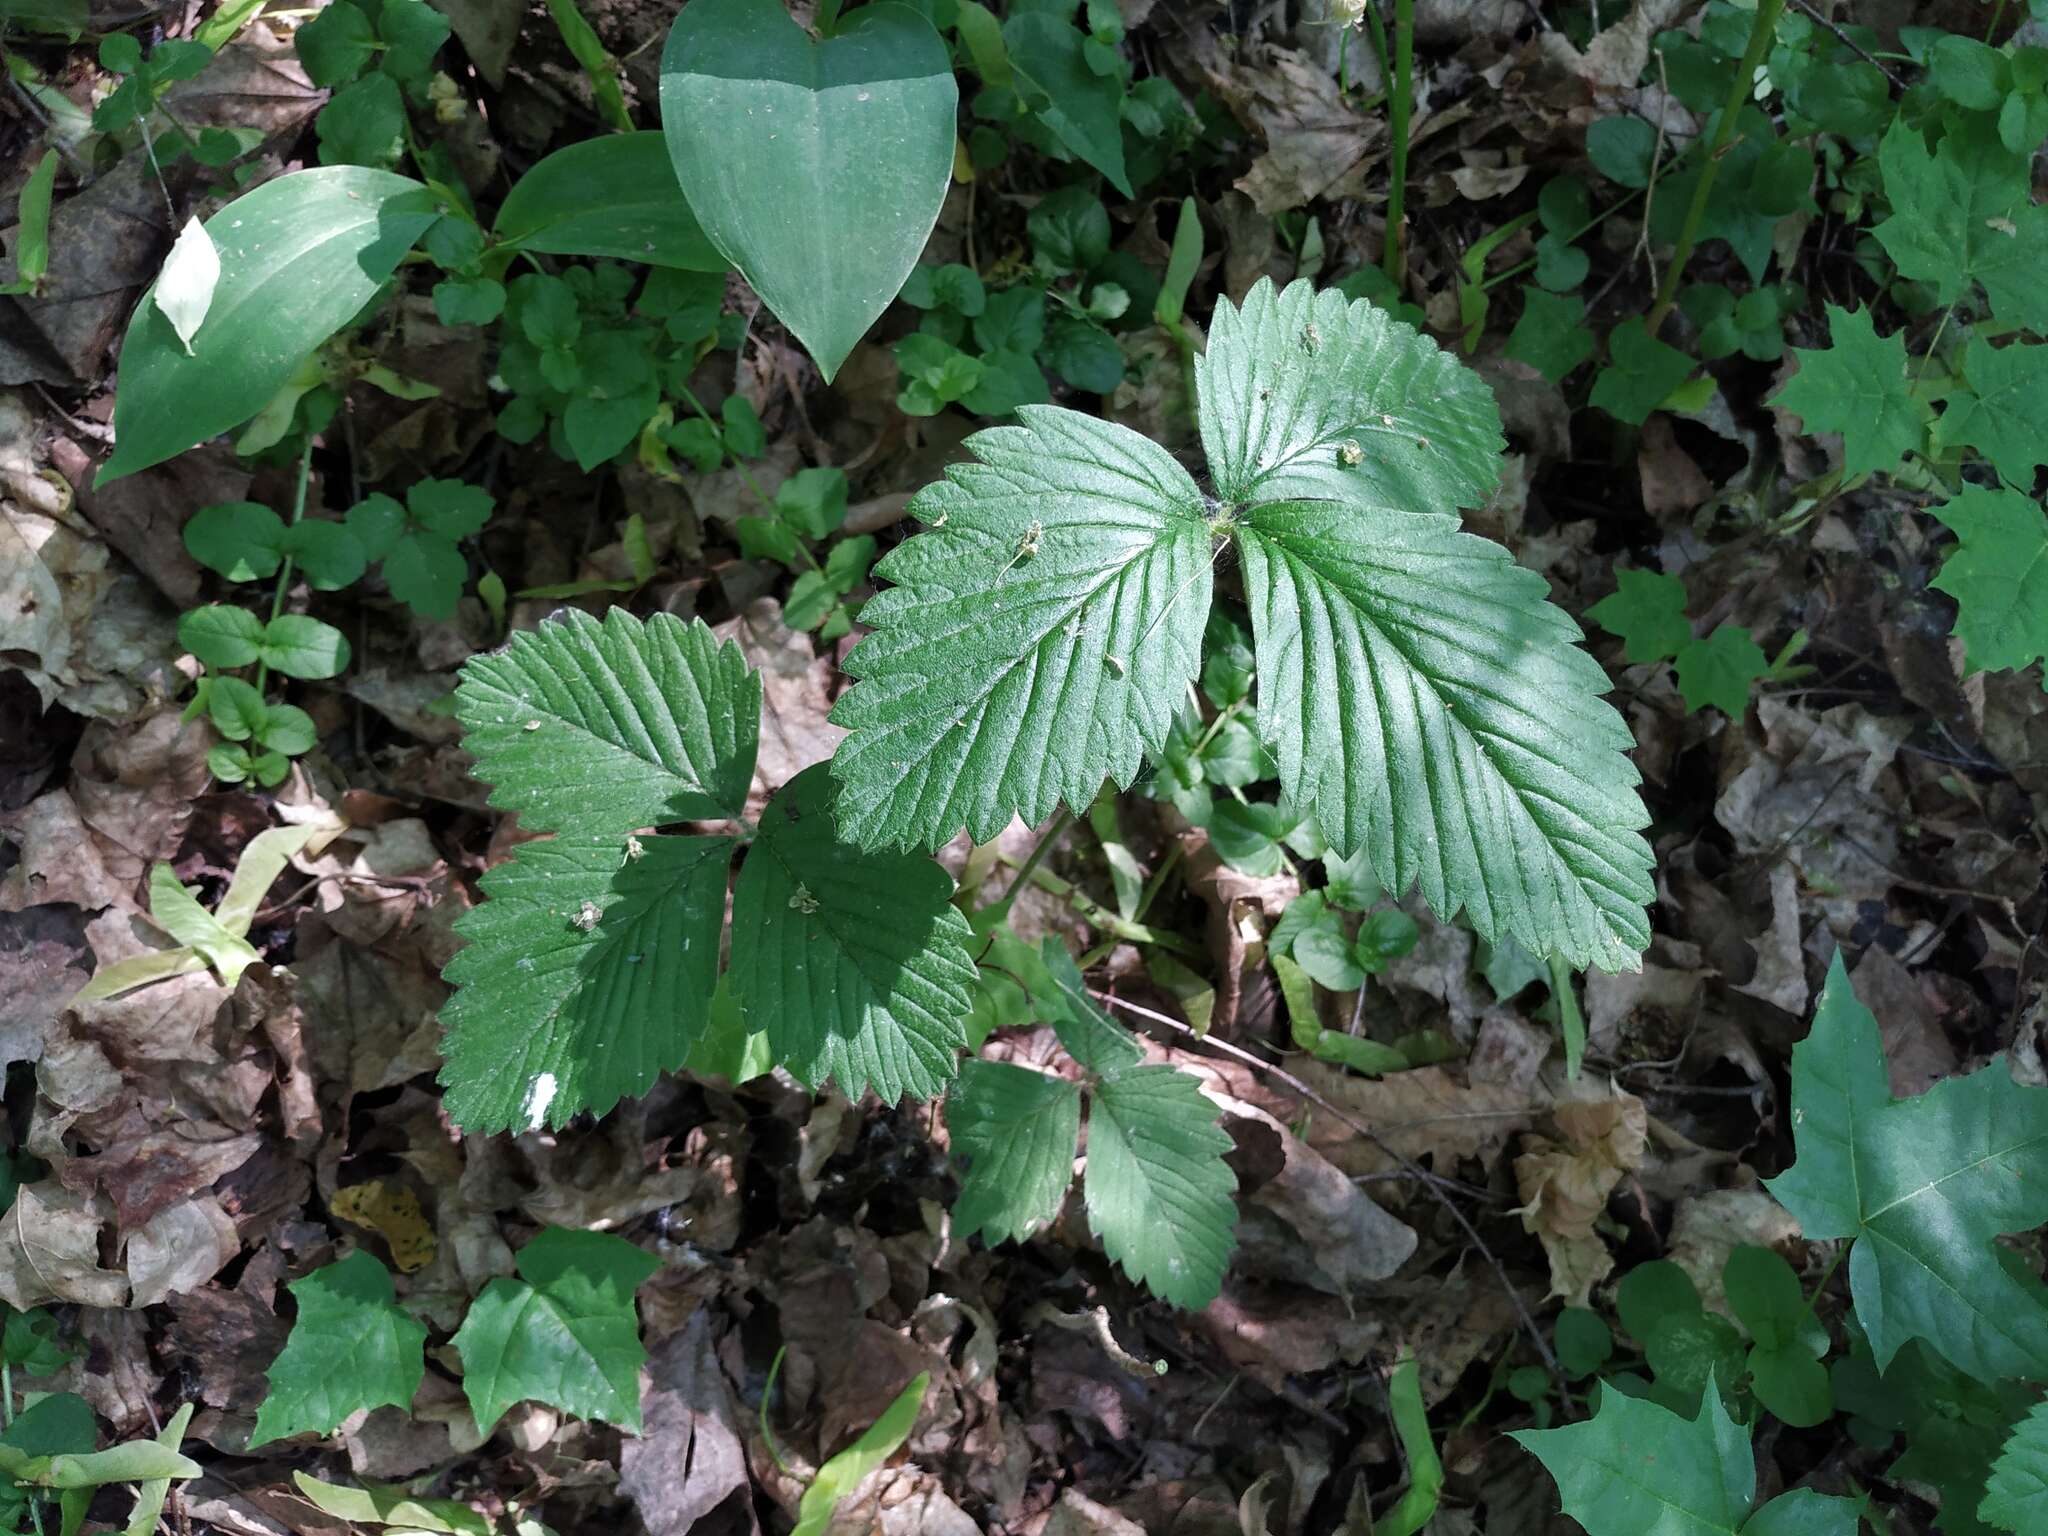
1565 1184
50 1250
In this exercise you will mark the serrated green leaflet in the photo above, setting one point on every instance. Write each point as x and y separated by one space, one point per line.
783 145
1647 609
1159 1194
588 970
1014 1130
2016 1497
352 1347
1923 1187
1293 376
1637 1467
612 725
299 256
1040 635
1424 702
855 965
1857 386
1965 212
564 1333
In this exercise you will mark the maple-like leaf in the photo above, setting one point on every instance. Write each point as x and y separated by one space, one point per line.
1998 575
352 1347
1647 609
1922 1188
1719 669
1638 1469
1856 385
2001 409
1964 213
2016 1496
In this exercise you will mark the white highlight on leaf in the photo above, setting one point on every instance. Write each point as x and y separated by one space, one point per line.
538 1097
184 289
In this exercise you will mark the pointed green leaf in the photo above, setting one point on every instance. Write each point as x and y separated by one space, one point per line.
1040 636
588 970
854 964
1857 386
785 146
844 1472
1428 706
1159 1194
2016 1497
613 196
1719 670
1637 1467
1305 395
1998 575
1014 1132
2003 408
613 725
1082 108
175 909
565 1333
1647 609
1923 1187
351 1347
299 256
393 1506
1086 1031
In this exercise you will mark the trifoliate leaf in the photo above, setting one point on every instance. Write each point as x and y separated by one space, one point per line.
1637 1467
352 1347
1305 396
1430 707
2002 409
184 289
1965 212
1719 669
1998 576
1922 1187
1640 375
564 1333
1159 1194
1040 636
1014 1129
1647 609
588 970
2016 1497
854 964
611 726
1857 386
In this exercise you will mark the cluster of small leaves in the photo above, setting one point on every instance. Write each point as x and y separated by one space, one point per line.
372 54
1647 609
145 80
808 508
1157 1190
564 1333
594 963
988 351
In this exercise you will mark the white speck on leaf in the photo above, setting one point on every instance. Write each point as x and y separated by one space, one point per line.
184 289
540 1093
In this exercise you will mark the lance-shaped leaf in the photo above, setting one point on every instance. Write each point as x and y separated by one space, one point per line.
1159 1193
1014 1130
614 725
352 1347
614 196
1306 395
1039 638
1430 708
587 970
854 964
565 1333
1636 1467
1923 1187
298 257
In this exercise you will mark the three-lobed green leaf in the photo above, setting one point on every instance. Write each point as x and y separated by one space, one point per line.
1998 575
1857 386
564 1333
1422 699
1922 1188
352 1347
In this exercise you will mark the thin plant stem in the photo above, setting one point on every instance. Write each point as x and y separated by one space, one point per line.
1400 106
284 570
1000 908
1828 1274
1760 34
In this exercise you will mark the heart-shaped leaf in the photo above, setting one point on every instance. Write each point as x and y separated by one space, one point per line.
816 168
